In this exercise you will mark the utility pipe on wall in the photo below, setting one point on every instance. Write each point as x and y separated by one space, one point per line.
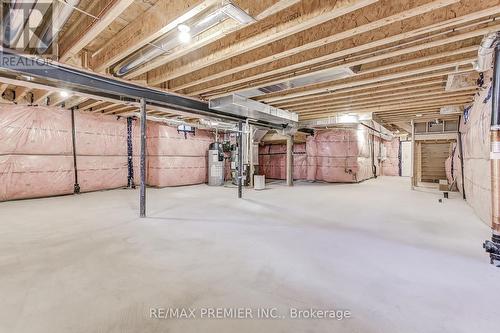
289 160
495 145
143 159
493 246
240 159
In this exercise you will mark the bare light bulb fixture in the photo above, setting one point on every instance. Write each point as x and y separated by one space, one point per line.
64 94
184 33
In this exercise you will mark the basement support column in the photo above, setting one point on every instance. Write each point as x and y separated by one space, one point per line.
143 159
240 159
495 145
76 186
413 173
493 246
289 160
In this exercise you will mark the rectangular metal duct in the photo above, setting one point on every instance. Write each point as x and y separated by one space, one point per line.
241 106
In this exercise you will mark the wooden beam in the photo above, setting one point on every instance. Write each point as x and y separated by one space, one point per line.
302 16
309 44
377 100
3 87
211 35
164 16
405 71
267 76
394 83
102 107
396 90
400 106
93 105
365 91
109 11
387 101
21 92
56 99
75 101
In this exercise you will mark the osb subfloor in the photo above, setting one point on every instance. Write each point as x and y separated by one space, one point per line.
397 259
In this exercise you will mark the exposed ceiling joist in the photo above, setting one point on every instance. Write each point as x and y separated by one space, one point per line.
299 17
107 12
292 52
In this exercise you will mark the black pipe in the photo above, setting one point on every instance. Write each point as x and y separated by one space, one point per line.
240 159
495 114
461 155
143 160
130 155
76 186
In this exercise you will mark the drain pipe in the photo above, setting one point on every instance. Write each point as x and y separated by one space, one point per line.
493 246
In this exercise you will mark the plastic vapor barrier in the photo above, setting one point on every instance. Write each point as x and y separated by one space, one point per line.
333 155
390 166
36 158
476 149
101 151
36 153
340 155
272 161
175 159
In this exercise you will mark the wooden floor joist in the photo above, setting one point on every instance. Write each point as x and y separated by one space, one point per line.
434 22
317 58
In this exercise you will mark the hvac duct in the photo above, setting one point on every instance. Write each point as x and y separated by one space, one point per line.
485 52
249 108
59 17
14 20
167 43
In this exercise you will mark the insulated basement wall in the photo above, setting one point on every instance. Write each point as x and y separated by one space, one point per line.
476 149
174 159
333 155
36 154
390 166
340 155
101 151
272 161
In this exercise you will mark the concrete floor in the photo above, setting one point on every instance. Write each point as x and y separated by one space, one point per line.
398 260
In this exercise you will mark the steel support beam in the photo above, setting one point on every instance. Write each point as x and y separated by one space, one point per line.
240 159
289 160
76 186
143 159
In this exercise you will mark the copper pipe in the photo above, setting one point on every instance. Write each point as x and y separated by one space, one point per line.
495 181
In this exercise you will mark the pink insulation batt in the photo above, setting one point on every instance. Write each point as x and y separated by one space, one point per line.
339 155
36 157
476 151
390 166
101 148
272 161
175 160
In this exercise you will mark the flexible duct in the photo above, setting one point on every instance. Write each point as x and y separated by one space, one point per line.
14 21
485 51
166 44
51 29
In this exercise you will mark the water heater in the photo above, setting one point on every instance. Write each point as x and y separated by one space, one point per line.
215 164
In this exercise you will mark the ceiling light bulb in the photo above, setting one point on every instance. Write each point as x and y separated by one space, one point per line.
64 93
418 115
183 28
184 37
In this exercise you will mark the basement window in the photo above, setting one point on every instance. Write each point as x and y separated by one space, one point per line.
186 129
